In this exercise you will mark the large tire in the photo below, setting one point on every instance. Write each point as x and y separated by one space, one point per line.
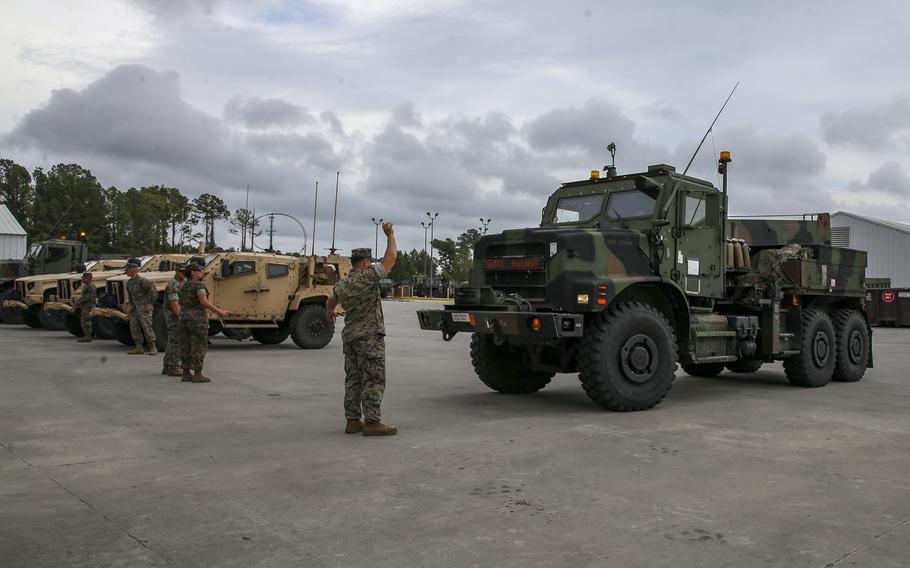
122 333
703 369
499 367
271 335
53 320
237 333
74 324
104 328
628 357
745 366
11 316
309 327
814 366
159 326
32 317
851 334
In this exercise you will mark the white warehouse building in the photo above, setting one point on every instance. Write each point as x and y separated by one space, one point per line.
12 236
887 242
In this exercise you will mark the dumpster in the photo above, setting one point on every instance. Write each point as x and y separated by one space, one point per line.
873 299
903 306
887 307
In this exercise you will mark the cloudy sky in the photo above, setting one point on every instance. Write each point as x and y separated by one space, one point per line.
466 108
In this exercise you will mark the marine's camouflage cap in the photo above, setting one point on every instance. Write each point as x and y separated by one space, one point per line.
180 266
193 267
133 262
361 253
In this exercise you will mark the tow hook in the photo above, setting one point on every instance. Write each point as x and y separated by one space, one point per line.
447 333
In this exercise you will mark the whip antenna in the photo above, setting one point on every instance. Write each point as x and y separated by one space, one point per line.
713 122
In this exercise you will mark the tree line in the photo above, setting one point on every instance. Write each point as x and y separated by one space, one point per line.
68 201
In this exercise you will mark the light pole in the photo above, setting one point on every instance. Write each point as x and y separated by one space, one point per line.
426 229
432 221
484 225
376 245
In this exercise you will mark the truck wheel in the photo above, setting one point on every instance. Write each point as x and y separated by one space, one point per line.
310 329
74 324
11 316
52 320
104 328
236 333
270 336
745 366
122 333
628 357
814 366
159 326
32 317
703 369
498 367
851 334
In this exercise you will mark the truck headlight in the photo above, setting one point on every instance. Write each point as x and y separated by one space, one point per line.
582 299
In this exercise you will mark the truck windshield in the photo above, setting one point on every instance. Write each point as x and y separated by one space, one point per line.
630 204
35 251
577 209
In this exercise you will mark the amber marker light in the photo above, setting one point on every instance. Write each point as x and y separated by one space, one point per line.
595 174
725 156
535 324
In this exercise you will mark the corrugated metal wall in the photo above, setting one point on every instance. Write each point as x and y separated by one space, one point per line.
889 249
12 246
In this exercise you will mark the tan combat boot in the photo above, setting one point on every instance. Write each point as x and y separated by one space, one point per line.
153 349
186 377
165 371
84 340
378 429
174 372
198 377
137 350
353 427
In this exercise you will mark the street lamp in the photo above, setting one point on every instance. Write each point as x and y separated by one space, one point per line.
484 225
376 245
426 229
432 221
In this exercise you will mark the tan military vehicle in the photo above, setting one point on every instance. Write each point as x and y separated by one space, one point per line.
273 296
68 292
32 294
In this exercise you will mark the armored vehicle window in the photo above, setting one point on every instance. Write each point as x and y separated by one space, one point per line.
276 270
695 210
577 209
55 253
242 267
629 204
145 260
164 266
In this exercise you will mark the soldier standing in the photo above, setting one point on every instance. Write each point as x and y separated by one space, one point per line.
86 304
142 296
194 324
172 319
364 337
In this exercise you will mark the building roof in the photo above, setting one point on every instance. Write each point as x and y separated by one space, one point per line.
880 222
8 224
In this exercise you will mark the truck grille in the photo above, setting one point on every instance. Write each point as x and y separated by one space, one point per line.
20 288
517 268
64 289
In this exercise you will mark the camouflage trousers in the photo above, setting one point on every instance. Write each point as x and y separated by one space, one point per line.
85 318
172 355
141 323
194 341
364 382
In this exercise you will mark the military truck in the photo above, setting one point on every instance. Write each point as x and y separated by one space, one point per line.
32 294
65 304
55 256
270 296
629 274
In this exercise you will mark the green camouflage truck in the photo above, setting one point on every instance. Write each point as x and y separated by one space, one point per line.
55 256
629 275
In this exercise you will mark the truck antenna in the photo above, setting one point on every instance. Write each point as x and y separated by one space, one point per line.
315 204
335 214
705 137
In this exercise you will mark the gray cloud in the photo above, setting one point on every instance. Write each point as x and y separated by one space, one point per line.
258 113
872 126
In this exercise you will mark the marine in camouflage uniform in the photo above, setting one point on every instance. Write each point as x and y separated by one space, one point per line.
86 304
194 324
172 319
364 339
141 294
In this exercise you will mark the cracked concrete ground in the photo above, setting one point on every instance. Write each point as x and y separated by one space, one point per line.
104 462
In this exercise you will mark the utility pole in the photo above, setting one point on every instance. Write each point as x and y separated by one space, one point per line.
376 242
432 219
426 229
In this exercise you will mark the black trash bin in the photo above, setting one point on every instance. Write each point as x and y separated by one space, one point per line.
887 307
903 306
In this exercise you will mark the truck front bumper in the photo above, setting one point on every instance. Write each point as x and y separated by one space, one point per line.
109 313
15 304
502 324
59 307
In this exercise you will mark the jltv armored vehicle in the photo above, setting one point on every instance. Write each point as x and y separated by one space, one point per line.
273 296
629 274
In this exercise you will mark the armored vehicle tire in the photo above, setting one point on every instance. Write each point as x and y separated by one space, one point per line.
32 317
498 367
159 326
745 366
11 316
628 357
52 320
122 333
814 366
237 333
309 327
851 334
74 324
215 327
103 328
703 369
271 335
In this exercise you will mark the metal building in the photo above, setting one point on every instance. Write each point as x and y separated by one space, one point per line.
887 242
12 235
